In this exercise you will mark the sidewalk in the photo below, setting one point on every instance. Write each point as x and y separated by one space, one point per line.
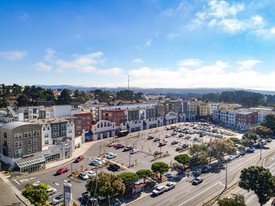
79 151
9 194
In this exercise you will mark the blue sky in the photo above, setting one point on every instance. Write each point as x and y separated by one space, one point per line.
159 43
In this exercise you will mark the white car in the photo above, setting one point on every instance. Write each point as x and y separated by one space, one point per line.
51 191
97 162
231 157
170 186
58 199
159 190
110 155
91 173
36 184
133 151
83 176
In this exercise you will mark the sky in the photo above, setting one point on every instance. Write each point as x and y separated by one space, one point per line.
157 43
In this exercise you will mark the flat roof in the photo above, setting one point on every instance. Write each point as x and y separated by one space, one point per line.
13 125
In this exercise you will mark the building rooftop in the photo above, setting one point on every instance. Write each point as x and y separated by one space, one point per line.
13 125
50 121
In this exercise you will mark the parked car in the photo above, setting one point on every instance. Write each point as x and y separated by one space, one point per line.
169 175
91 173
174 142
58 199
170 186
128 148
206 169
62 170
110 155
36 184
242 152
97 162
197 172
150 137
51 191
231 157
157 153
156 139
79 158
184 146
197 181
269 140
114 167
83 175
179 149
180 135
250 149
161 144
159 190
118 146
134 151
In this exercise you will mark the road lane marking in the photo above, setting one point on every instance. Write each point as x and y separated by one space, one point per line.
218 183
32 178
17 182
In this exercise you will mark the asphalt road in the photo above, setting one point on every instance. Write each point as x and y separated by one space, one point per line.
185 194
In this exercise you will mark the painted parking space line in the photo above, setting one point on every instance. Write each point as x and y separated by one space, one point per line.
17 182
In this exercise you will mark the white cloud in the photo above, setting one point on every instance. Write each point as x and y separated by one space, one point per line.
42 67
148 43
137 61
87 63
13 55
189 62
248 64
220 74
49 56
226 15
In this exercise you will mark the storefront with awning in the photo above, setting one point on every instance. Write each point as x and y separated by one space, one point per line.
31 163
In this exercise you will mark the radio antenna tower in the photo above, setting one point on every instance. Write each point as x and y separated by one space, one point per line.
128 82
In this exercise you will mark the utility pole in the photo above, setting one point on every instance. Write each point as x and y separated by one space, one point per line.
99 149
129 159
261 150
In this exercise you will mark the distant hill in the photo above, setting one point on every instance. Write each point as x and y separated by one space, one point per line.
180 91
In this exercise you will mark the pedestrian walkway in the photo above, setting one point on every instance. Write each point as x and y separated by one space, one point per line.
79 151
9 194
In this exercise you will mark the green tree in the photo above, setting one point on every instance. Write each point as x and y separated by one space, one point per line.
250 136
269 122
108 185
160 167
23 100
144 174
259 180
4 103
64 97
183 159
129 178
220 147
236 200
199 149
37 196
262 131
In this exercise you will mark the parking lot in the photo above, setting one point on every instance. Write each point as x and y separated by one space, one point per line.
160 144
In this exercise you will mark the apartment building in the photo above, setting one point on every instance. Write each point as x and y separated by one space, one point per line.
213 106
203 109
114 115
246 119
21 146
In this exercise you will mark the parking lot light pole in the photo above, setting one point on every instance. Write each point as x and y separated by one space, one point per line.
129 159
225 175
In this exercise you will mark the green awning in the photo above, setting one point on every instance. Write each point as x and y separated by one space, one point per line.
29 161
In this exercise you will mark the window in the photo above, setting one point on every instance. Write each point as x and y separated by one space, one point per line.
34 149
17 136
29 141
46 135
46 142
18 144
34 141
63 126
55 134
27 134
18 153
29 150
63 133
55 127
36 133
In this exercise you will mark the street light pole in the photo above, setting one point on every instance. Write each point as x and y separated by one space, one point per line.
261 150
225 175
129 159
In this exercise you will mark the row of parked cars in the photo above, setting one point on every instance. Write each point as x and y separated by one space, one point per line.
161 189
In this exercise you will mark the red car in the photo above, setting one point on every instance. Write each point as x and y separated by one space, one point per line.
78 159
62 170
